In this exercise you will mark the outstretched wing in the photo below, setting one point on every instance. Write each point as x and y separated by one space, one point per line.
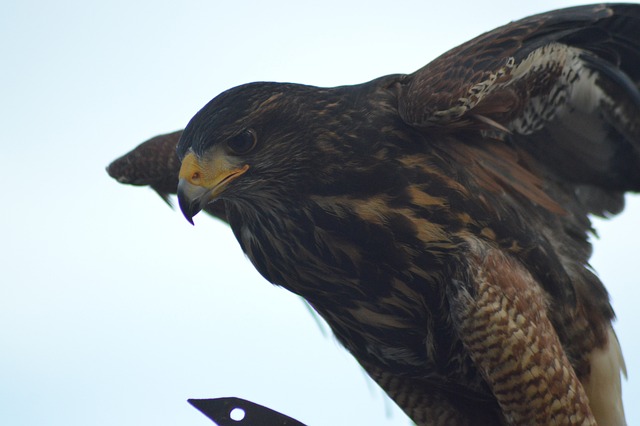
155 163
545 110
562 85
544 118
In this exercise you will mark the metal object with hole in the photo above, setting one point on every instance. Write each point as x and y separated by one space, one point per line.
220 411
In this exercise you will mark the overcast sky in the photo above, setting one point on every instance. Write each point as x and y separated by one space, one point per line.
113 309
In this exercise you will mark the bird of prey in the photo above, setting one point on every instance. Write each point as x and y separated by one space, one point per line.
439 221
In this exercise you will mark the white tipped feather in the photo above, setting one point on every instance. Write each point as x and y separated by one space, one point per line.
603 387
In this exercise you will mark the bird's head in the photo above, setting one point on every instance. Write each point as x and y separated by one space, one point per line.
250 140
277 142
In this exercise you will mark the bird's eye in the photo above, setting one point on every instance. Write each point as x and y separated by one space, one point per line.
243 142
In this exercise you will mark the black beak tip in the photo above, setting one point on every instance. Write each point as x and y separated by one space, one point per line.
188 207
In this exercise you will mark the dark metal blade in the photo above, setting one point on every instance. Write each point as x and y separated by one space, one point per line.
247 413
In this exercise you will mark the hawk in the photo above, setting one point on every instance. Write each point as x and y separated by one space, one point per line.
439 221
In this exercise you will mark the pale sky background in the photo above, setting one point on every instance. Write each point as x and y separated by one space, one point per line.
113 309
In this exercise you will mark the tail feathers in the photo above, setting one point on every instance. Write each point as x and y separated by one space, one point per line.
603 386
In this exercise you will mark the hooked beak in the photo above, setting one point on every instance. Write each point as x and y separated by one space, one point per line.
201 182
191 198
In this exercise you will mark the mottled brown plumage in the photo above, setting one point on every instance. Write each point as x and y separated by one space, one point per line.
439 220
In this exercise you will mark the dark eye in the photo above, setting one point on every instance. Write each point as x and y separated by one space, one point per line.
243 142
